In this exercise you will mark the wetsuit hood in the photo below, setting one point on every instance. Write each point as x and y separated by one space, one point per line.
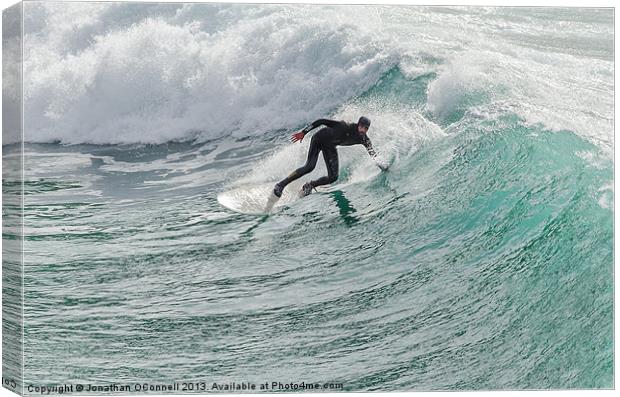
364 121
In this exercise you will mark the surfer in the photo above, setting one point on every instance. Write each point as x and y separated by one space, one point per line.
337 133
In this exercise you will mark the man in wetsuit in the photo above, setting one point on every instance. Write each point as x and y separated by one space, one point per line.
337 133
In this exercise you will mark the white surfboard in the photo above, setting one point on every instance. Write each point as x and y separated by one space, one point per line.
256 199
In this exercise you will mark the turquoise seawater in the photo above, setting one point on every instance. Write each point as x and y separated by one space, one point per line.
483 259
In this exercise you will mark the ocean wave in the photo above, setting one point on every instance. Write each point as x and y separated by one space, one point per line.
128 73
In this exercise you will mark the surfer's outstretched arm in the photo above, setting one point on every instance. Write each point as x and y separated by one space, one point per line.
299 136
319 122
373 153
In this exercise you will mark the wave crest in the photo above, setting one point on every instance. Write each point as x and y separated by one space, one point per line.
157 80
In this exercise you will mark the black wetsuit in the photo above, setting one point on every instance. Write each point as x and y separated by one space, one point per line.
337 133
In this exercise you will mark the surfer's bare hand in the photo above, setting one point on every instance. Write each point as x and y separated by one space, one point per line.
298 136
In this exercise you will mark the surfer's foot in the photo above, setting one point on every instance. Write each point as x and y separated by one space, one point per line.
306 189
277 190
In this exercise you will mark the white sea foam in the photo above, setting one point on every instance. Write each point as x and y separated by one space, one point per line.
125 73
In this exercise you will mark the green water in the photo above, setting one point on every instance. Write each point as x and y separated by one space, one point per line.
484 261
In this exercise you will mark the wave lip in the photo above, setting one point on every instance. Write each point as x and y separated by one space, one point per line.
156 80
127 73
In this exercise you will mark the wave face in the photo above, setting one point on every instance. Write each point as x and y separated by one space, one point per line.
482 260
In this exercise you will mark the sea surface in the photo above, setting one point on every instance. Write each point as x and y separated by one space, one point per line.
483 259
